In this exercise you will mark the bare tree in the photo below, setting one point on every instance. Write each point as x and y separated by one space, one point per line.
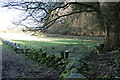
47 13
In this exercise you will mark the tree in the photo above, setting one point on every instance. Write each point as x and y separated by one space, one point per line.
108 14
51 11
111 12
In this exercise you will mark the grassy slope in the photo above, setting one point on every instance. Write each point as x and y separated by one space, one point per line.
102 64
55 45
6 47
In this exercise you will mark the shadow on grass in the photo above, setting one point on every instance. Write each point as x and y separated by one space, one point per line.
76 47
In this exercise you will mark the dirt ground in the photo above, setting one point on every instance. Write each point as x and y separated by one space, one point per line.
18 66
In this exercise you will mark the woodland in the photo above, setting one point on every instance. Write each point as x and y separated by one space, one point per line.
98 20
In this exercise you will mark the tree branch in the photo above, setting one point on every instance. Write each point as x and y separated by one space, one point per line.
47 25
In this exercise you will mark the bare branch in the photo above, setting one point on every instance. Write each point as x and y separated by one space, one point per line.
51 10
47 25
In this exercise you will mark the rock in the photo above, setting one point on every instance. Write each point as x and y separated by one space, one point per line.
72 64
75 75
61 68
78 65
53 47
69 66
38 60
74 70
69 59
60 62
58 59
64 75
40 50
62 55
49 58
53 62
44 55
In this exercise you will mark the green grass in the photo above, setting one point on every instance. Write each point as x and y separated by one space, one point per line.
55 45
6 47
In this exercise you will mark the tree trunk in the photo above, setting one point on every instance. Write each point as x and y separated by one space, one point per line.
107 40
112 11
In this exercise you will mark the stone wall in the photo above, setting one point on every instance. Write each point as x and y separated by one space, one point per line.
68 67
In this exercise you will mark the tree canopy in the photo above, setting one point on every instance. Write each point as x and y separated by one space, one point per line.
45 14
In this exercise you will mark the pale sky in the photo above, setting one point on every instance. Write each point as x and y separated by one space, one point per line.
7 16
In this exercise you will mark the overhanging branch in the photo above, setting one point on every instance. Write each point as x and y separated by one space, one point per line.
47 25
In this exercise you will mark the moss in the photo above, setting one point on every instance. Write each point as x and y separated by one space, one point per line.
44 55
103 77
40 67
69 66
64 74
38 60
74 70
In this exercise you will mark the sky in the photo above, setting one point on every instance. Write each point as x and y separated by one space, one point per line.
7 17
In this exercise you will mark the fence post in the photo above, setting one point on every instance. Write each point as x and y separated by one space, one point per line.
66 54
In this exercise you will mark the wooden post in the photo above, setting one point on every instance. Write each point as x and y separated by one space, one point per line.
66 54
